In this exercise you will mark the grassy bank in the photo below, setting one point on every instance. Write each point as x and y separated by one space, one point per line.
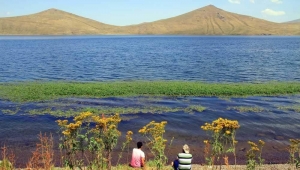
38 91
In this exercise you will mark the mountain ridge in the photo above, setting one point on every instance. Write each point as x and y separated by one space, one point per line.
294 21
208 20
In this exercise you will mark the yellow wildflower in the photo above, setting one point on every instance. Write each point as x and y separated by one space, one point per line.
66 132
261 142
82 116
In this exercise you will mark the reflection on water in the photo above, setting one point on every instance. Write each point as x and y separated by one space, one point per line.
272 125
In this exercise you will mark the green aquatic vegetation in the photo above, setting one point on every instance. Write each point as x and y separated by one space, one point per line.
194 108
243 109
228 99
41 91
295 108
149 99
112 110
10 111
58 112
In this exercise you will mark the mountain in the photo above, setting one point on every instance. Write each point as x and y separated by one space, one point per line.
294 21
52 22
208 20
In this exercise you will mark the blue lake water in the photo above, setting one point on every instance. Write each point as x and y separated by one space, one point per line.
197 58
192 58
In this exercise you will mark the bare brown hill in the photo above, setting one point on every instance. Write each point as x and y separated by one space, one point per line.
208 20
52 22
294 21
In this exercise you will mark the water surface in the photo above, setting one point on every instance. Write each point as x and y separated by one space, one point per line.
197 58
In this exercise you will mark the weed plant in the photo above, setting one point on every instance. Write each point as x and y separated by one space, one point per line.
42 157
89 133
223 141
154 132
254 154
209 158
8 159
294 150
126 145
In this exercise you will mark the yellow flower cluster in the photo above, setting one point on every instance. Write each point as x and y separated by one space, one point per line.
156 131
71 128
253 146
261 142
219 125
107 122
129 136
82 116
295 141
295 144
62 122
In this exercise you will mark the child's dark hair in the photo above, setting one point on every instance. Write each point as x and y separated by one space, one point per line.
139 145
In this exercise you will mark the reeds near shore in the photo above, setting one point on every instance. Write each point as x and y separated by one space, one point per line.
38 91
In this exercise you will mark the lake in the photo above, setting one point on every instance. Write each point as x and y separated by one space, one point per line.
193 58
190 58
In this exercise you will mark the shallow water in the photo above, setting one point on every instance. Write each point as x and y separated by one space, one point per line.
273 125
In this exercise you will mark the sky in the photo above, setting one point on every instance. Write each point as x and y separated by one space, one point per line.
128 12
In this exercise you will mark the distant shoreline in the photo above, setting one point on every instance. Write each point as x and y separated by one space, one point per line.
144 35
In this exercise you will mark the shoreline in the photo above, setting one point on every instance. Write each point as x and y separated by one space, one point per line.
273 153
206 167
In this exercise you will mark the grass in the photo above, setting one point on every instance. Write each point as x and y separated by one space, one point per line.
41 91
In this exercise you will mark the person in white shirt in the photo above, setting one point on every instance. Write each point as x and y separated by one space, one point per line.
138 157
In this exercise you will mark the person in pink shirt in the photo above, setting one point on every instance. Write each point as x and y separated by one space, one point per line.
138 157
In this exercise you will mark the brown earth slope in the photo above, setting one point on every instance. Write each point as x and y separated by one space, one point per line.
52 22
208 20
294 21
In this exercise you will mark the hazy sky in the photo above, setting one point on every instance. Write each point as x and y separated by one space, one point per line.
126 12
